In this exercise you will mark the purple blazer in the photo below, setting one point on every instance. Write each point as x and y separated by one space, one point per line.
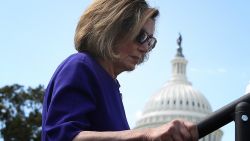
81 96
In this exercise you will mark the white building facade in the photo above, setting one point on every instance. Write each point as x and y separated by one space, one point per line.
247 88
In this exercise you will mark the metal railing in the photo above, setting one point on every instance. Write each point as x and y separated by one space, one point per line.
237 111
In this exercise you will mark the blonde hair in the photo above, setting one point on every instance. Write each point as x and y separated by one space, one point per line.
108 22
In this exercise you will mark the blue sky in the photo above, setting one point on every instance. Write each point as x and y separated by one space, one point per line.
35 36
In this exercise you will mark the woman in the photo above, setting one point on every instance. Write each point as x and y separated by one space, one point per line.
82 101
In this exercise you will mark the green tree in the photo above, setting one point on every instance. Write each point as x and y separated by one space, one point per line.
20 113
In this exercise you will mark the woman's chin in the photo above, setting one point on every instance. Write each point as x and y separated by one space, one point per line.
130 67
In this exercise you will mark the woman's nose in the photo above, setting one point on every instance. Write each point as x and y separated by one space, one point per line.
144 47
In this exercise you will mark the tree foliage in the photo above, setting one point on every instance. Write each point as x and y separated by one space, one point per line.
20 113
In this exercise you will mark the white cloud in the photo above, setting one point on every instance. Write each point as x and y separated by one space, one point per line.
209 71
221 70
194 70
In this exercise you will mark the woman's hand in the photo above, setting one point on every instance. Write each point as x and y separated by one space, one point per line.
176 130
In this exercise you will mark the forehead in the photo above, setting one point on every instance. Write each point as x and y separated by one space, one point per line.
149 26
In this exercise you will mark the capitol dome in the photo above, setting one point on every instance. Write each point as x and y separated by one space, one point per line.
177 99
